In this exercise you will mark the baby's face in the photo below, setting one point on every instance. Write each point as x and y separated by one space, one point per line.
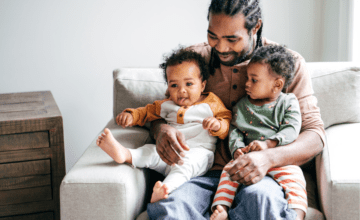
260 81
184 83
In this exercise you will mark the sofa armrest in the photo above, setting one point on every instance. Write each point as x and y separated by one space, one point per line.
337 175
99 188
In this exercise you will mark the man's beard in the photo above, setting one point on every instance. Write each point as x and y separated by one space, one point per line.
238 58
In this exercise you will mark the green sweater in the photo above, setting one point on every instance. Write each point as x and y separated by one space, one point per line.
279 120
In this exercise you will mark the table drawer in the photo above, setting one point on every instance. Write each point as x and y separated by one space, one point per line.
24 141
25 182
38 216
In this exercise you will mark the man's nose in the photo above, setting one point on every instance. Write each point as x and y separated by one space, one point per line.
221 46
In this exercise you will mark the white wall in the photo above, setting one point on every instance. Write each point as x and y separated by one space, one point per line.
296 24
71 47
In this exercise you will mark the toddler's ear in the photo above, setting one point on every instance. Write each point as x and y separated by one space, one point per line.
279 84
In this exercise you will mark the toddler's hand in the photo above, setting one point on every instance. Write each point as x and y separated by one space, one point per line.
124 119
255 146
211 123
238 152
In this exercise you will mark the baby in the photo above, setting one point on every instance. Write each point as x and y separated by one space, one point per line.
201 117
265 118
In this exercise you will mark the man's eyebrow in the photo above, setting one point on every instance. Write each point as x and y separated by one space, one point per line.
230 36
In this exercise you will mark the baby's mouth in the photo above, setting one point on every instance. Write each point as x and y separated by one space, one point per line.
181 100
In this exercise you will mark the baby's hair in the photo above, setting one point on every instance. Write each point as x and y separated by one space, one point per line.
182 55
280 60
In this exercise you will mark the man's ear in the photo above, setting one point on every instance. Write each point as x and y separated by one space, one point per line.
203 85
257 26
278 85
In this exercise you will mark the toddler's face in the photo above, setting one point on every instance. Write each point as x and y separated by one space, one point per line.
260 81
184 83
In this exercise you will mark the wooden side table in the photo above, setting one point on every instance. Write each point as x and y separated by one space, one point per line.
32 162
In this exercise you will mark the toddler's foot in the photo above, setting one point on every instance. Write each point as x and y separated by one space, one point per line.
219 214
160 192
111 146
300 214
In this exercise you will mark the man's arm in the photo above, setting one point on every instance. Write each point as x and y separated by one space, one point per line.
170 143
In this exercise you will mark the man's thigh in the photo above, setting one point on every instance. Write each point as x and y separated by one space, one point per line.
263 200
191 200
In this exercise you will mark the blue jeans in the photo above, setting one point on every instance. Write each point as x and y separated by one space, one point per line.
192 200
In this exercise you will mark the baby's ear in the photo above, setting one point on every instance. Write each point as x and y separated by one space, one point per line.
203 85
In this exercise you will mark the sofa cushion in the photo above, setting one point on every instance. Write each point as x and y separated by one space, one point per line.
337 88
137 87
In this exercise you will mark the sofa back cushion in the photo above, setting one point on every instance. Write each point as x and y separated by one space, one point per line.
336 85
337 88
137 87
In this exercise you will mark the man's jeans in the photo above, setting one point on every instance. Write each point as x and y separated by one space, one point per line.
192 201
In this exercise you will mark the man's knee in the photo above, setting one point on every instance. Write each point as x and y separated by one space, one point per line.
266 188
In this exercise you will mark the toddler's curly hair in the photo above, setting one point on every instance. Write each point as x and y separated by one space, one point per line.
182 55
279 59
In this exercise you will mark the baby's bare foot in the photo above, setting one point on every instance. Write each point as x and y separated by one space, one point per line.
160 192
111 146
219 214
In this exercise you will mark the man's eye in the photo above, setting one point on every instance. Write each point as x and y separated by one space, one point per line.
232 40
213 37
189 84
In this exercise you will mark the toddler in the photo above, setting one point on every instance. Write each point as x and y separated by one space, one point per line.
265 118
201 117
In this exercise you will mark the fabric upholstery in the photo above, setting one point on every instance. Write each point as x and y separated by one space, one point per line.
337 89
339 177
99 188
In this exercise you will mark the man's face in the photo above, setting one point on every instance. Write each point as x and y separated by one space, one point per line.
229 37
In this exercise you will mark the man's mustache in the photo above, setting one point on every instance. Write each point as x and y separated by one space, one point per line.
225 53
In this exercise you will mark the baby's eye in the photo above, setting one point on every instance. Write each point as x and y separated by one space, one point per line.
189 84
173 85
254 80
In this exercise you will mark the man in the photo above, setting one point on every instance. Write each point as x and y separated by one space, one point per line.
234 32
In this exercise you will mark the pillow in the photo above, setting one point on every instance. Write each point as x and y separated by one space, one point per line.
337 88
137 87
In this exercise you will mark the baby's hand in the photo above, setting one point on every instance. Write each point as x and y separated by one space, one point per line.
238 152
124 119
211 123
255 146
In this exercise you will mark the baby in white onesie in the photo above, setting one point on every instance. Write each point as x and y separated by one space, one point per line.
200 117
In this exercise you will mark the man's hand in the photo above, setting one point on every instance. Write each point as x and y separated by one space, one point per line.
170 144
249 168
124 119
211 123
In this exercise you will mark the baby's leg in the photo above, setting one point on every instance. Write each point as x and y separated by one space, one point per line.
292 180
113 148
224 197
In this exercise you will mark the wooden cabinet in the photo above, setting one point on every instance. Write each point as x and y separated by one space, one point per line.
32 162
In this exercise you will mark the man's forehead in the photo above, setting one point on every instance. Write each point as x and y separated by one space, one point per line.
226 25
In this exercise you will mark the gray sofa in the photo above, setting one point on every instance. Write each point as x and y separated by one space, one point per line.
98 188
